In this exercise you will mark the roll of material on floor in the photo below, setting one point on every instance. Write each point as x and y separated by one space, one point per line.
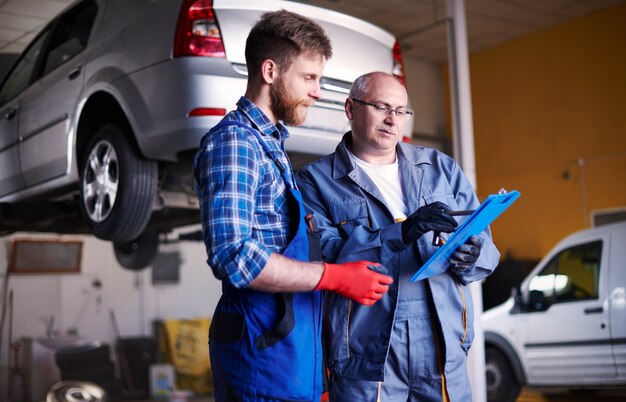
76 391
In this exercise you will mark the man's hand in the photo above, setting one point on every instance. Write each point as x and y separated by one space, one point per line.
356 281
466 254
433 217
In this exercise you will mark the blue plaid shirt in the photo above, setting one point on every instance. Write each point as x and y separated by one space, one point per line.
242 195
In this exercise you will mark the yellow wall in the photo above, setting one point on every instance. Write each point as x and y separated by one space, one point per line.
540 103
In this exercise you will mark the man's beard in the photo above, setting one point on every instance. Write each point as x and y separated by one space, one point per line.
287 108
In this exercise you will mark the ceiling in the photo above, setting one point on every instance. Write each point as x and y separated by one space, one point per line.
419 24
420 27
20 20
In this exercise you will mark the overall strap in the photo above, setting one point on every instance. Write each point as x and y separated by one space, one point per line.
286 320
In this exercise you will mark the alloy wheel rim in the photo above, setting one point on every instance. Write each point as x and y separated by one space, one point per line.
100 181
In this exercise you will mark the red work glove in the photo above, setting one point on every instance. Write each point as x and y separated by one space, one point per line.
355 281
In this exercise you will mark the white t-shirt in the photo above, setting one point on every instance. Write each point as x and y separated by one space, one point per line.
387 179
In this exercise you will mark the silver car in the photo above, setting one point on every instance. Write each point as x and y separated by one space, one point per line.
103 112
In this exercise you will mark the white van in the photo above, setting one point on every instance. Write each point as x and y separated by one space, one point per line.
565 325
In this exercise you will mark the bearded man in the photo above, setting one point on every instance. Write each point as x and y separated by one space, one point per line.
265 333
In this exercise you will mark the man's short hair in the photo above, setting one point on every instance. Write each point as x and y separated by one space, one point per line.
281 36
360 86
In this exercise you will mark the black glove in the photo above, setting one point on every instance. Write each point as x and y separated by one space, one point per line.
433 217
466 254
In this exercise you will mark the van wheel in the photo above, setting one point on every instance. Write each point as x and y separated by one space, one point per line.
117 186
139 253
501 383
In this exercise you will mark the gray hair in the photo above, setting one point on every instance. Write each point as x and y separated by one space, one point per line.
361 86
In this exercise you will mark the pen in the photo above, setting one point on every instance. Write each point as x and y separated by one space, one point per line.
456 213
461 212
437 240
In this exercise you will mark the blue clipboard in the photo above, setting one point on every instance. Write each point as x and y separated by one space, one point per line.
478 221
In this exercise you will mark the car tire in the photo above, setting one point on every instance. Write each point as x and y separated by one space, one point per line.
139 253
117 186
501 383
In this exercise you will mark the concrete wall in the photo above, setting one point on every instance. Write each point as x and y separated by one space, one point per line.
76 304
424 85
541 104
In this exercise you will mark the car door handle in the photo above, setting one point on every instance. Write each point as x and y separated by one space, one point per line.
74 73
594 310
10 113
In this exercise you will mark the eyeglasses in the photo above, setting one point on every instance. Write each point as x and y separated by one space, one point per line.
382 108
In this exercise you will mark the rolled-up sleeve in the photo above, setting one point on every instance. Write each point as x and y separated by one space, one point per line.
227 175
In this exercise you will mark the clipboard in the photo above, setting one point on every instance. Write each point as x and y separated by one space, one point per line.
478 221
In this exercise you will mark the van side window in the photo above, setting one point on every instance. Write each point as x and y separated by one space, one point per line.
571 275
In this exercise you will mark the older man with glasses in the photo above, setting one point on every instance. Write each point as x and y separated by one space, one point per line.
375 199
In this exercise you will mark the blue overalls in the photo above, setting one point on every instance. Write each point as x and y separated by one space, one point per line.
267 346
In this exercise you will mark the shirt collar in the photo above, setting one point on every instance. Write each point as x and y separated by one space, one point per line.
260 121
344 164
415 155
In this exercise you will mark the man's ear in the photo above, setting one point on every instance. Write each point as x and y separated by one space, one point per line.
269 71
348 108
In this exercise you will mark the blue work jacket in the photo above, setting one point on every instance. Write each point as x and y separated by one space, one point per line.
355 224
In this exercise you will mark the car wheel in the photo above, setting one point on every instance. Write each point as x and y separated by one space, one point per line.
139 253
501 383
117 186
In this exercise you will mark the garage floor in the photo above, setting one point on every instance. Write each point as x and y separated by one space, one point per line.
573 396
526 396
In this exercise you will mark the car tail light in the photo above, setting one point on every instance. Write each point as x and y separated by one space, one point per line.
207 111
197 32
398 64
